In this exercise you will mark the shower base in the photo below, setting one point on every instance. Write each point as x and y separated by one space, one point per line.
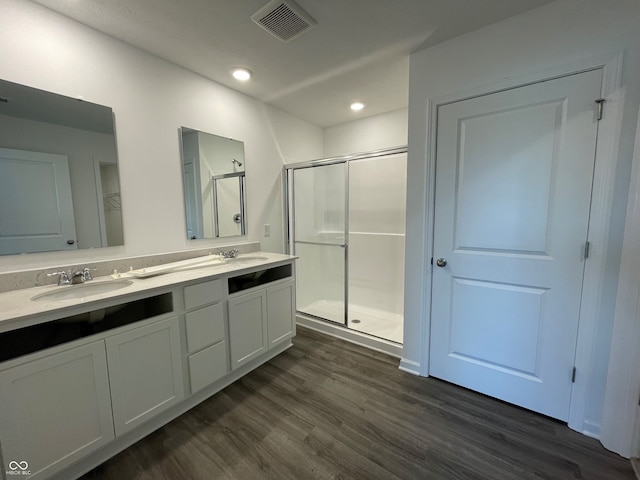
378 323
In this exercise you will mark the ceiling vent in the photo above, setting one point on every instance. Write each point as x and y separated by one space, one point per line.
284 19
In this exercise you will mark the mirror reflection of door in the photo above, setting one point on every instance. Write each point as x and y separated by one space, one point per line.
193 200
36 208
38 122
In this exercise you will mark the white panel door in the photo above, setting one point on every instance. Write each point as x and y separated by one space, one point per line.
513 189
36 209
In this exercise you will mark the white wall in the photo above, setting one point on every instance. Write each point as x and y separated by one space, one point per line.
386 130
151 99
218 153
545 41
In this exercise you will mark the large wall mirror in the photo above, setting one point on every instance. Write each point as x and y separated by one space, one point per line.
59 187
213 170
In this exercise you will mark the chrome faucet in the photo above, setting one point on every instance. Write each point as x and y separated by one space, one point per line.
86 272
233 253
67 278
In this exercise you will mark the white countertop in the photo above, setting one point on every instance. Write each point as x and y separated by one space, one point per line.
17 309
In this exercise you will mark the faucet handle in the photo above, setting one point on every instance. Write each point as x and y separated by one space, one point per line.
63 277
86 273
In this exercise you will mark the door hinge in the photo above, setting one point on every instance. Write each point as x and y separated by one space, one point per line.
600 102
587 246
573 375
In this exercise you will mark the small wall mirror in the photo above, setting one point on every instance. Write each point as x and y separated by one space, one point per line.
59 187
213 169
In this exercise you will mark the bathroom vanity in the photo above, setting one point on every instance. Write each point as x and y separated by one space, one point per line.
85 375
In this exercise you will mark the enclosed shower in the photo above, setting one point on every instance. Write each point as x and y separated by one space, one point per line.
346 225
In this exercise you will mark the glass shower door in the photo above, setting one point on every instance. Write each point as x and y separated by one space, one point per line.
320 240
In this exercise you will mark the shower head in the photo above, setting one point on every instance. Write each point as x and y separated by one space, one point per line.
234 161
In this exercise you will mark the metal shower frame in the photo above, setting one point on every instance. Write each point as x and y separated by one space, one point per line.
289 210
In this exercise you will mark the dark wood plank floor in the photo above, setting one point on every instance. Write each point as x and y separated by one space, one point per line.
329 409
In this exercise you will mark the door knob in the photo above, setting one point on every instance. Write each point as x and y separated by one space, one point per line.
441 262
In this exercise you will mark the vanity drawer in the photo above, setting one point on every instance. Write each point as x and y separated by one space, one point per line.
202 293
205 326
207 366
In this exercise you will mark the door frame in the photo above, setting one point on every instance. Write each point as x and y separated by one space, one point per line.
100 200
602 205
198 227
621 422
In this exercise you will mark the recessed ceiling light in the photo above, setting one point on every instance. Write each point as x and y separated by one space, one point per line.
355 106
242 74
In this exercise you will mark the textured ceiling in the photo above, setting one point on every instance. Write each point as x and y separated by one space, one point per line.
359 50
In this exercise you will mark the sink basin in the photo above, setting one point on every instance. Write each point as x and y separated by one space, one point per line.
243 259
81 291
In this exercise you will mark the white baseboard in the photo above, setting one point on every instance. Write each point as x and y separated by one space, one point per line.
359 338
591 429
409 366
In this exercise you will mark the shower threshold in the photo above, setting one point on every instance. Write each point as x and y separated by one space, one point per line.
378 323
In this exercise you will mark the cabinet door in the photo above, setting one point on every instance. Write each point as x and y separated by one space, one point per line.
281 312
247 327
55 410
145 373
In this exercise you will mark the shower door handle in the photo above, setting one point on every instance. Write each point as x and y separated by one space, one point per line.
441 262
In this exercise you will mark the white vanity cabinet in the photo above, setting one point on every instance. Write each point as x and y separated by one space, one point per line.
145 372
55 409
205 326
87 380
261 319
